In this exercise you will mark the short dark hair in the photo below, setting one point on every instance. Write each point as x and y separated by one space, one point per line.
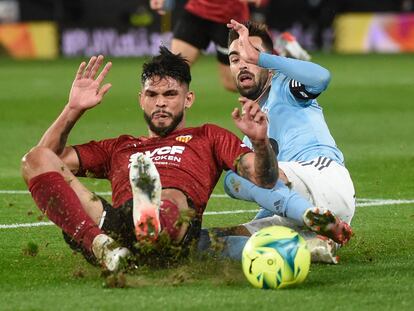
255 30
167 64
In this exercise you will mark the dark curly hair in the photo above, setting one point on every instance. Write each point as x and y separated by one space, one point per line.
167 64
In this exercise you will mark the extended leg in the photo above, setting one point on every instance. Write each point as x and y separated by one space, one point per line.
285 202
156 209
280 200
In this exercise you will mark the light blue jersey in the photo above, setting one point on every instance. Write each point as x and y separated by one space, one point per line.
296 121
297 125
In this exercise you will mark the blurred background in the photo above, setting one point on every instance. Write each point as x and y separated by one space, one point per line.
71 28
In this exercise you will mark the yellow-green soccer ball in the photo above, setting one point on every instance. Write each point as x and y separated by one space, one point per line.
275 257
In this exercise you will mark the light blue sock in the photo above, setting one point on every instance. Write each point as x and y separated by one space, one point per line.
279 200
263 213
233 245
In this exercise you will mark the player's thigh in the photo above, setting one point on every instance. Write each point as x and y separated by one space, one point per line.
174 206
295 181
327 186
188 51
41 160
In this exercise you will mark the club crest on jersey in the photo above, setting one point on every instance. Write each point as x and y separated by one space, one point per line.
184 138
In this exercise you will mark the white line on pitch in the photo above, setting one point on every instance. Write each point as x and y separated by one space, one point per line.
14 192
27 225
384 202
376 203
215 195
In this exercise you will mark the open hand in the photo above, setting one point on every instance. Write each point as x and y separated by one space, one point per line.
86 91
252 121
245 48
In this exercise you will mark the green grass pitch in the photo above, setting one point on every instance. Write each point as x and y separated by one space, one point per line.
369 107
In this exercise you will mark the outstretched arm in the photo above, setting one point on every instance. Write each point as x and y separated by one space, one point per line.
313 76
261 166
86 93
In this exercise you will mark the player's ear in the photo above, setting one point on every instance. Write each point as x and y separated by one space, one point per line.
189 99
140 100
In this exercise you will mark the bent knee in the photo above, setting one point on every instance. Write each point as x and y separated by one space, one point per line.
36 156
38 160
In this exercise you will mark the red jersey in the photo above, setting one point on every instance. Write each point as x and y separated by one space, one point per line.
190 159
219 11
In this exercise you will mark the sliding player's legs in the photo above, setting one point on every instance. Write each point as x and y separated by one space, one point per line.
280 200
324 183
70 205
285 202
327 185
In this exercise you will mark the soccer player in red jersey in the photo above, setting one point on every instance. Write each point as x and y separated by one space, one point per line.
202 22
154 178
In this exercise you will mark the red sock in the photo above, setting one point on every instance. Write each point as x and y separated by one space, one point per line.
59 202
169 215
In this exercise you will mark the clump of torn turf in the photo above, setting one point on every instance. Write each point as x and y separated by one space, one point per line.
168 264
204 269
31 249
94 197
79 273
115 280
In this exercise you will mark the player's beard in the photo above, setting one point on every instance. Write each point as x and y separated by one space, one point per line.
163 131
255 91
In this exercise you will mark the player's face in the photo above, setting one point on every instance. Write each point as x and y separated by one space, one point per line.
250 79
164 101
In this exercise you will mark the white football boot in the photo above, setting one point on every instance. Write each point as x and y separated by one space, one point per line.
109 255
146 192
287 45
322 249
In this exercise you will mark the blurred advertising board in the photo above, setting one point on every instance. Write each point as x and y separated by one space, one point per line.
112 41
374 32
29 40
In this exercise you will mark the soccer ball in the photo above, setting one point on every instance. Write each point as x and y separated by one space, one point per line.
275 257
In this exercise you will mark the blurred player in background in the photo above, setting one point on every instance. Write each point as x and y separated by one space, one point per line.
286 45
156 180
202 22
309 160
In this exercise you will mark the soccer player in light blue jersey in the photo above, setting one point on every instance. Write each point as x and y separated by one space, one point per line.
314 190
